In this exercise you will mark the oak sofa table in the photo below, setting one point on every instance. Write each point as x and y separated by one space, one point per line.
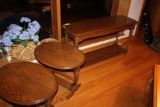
27 84
61 58
82 30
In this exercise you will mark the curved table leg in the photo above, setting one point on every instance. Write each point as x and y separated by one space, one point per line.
48 103
75 84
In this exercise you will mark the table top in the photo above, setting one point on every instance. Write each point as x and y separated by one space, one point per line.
99 24
59 55
26 83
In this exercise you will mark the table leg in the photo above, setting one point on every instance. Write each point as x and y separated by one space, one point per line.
129 39
75 84
66 38
48 103
117 35
76 45
115 44
76 78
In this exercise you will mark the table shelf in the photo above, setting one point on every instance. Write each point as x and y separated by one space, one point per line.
103 54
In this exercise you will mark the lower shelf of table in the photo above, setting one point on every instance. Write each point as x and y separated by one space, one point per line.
101 54
67 80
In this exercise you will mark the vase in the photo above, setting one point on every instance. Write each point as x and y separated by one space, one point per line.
20 52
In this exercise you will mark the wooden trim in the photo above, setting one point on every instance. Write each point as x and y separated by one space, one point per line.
115 7
128 6
56 19
123 7
118 7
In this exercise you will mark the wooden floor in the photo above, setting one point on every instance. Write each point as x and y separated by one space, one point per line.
115 82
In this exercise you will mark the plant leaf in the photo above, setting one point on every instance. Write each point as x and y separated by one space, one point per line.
17 40
37 33
24 43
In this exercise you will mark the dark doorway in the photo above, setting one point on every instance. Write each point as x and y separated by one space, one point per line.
77 10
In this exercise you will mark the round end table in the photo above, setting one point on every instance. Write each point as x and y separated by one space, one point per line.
61 56
26 83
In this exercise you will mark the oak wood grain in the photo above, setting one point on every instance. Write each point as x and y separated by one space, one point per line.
83 30
59 55
26 83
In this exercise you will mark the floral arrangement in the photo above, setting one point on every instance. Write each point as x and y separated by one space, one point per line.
16 34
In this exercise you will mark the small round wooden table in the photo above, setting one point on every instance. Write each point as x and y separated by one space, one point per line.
61 56
26 83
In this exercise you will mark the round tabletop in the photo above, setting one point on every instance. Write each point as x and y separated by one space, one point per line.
59 55
26 83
